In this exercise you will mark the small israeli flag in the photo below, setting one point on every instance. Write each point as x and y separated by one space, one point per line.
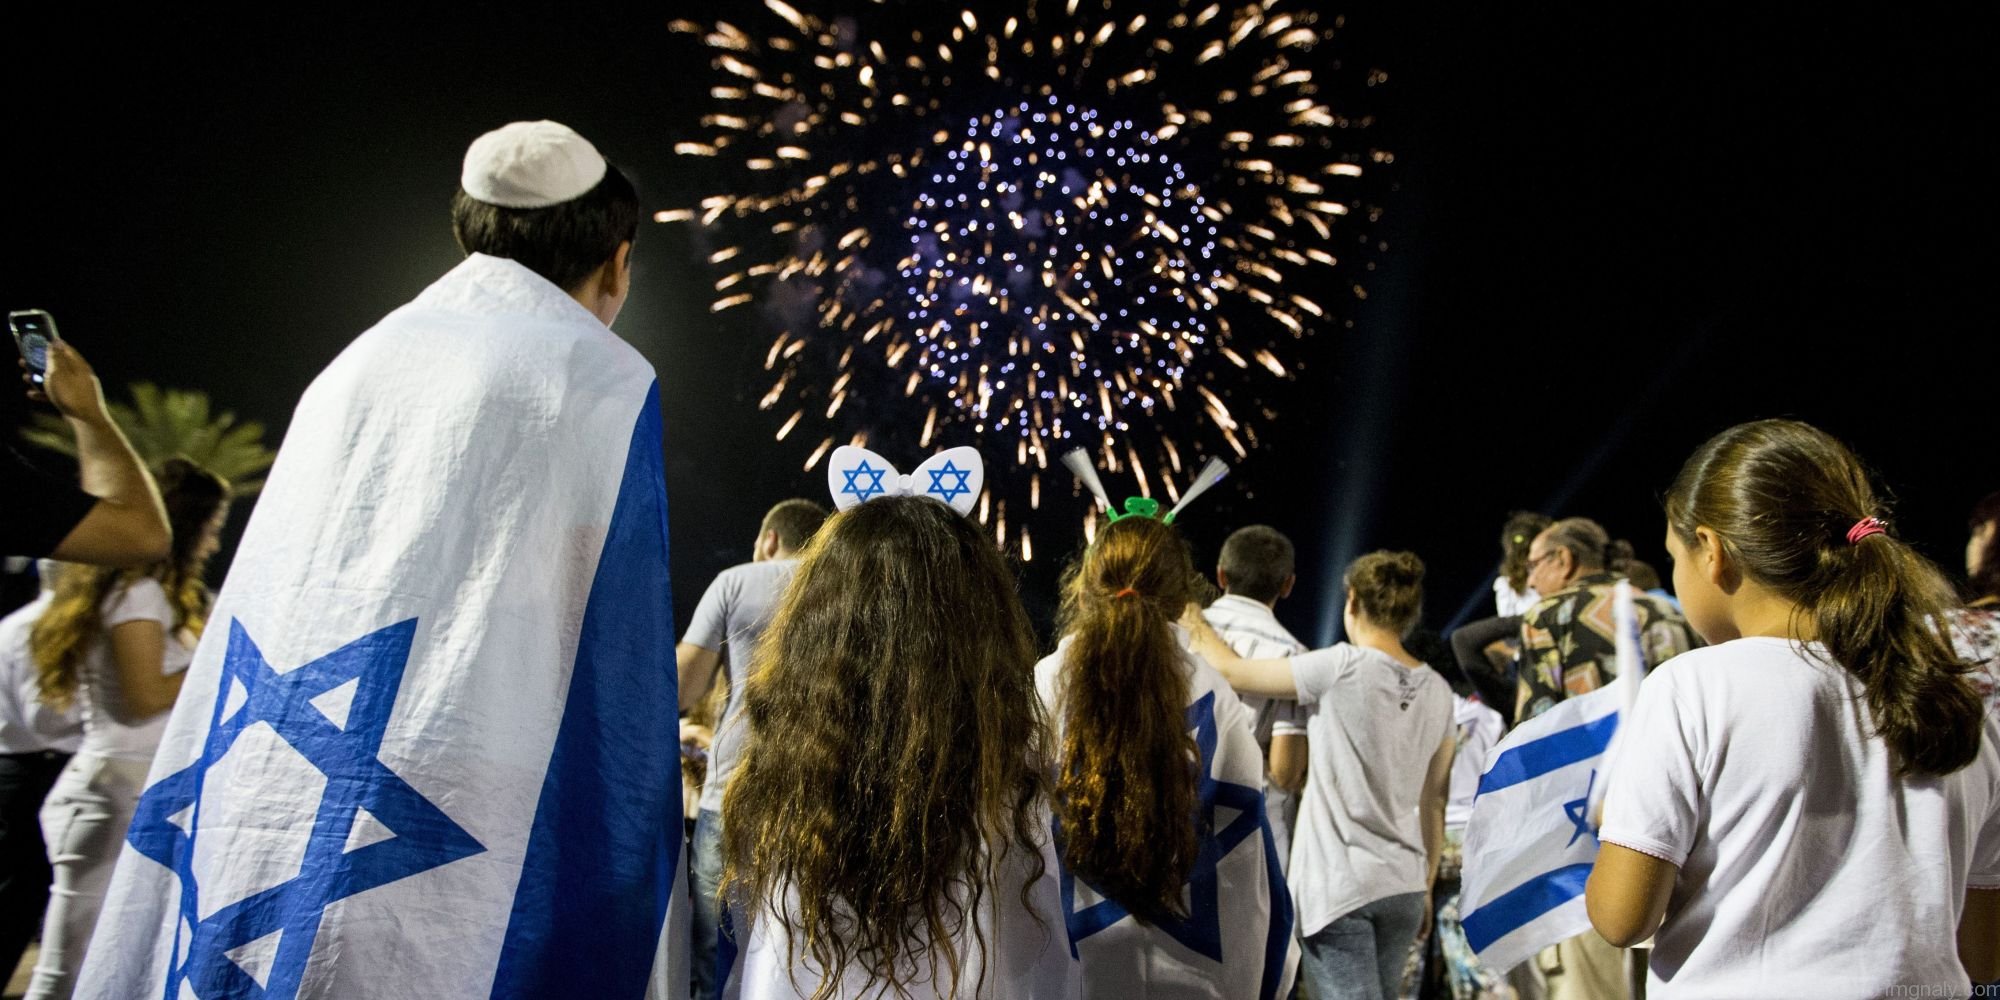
1531 841
426 749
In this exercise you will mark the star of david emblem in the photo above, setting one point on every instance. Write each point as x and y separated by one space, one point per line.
368 829
863 491
1578 811
954 491
1201 930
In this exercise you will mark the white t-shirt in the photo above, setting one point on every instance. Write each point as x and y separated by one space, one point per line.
1508 602
105 733
27 725
1253 631
731 618
1479 728
1807 867
1026 953
1374 728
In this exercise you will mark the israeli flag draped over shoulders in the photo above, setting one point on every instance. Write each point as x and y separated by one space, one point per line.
1531 841
426 748
1238 940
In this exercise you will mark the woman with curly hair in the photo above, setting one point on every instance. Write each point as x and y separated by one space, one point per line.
1167 856
114 643
886 833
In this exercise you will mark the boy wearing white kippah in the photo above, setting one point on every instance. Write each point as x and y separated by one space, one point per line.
430 729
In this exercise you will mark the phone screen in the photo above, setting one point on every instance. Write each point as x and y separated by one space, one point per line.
33 329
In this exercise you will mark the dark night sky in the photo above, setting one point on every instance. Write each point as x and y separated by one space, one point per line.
1613 234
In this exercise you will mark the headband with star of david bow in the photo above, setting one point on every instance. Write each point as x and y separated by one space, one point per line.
953 476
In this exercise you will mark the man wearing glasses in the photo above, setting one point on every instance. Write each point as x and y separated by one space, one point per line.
1568 643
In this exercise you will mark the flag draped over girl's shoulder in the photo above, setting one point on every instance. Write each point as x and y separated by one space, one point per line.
1238 938
1532 837
426 748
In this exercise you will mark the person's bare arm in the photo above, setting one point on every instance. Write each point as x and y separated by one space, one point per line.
696 668
138 651
1979 935
128 526
1627 894
1288 761
1265 678
1437 789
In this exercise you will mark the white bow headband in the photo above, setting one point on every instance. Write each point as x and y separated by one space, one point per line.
954 476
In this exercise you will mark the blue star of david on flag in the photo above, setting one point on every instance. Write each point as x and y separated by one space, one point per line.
370 827
1578 811
955 490
1201 930
861 491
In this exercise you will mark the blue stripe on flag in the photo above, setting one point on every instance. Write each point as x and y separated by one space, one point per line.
1556 750
1277 937
1514 908
599 870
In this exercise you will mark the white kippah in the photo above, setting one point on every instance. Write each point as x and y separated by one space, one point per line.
530 165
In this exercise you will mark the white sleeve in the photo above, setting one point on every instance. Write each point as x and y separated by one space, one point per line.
1985 870
143 601
1315 673
709 628
1652 799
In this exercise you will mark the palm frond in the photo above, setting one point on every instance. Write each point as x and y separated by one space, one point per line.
164 423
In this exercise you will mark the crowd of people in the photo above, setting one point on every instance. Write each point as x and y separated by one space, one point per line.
891 787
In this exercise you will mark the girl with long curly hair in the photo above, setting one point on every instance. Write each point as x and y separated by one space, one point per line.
1810 806
1158 798
886 832
114 643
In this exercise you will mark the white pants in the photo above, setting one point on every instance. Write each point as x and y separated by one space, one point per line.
83 821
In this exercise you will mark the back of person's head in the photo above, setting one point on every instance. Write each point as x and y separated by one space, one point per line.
194 498
1516 536
794 521
1782 497
1587 541
1982 554
1126 786
1429 645
896 744
565 242
1258 562
1388 589
1640 572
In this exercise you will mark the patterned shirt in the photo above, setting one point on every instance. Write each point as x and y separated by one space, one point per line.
1975 636
1569 644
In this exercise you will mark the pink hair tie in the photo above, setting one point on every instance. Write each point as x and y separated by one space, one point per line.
1865 527
1127 592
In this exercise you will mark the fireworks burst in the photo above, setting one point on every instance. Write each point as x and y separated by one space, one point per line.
1078 226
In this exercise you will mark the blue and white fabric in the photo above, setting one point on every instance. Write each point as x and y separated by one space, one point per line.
1238 939
1532 838
426 747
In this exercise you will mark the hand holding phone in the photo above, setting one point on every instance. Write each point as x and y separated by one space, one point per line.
34 330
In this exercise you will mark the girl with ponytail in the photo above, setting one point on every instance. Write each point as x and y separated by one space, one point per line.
1811 805
1380 742
1173 897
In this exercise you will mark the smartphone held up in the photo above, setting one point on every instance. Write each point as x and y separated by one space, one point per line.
33 329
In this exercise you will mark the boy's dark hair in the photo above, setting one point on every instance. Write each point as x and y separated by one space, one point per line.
564 242
795 521
1258 560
